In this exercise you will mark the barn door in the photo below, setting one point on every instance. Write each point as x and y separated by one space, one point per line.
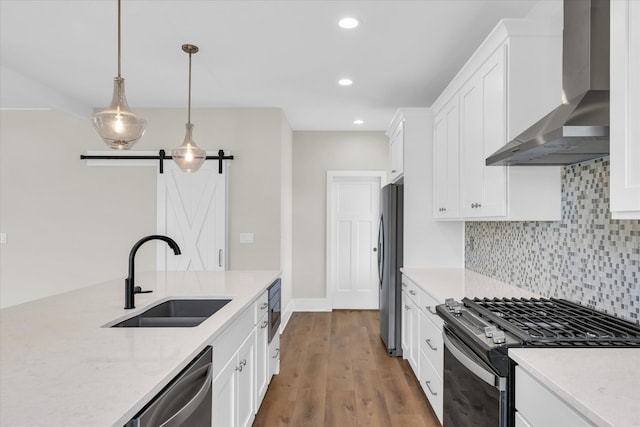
192 211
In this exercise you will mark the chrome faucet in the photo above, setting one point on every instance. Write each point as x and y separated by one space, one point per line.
129 284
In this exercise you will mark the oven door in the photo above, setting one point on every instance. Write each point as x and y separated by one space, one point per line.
474 395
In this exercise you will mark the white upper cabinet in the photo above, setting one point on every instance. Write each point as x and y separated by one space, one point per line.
396 150
625 109
446 169
510 82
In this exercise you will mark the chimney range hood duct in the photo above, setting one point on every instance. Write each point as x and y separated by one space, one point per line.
577 130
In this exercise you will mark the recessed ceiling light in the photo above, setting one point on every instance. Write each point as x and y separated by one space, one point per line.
345 82
358 122
348 23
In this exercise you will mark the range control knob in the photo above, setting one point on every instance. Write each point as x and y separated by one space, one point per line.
457 310
451 304
499 337
489 331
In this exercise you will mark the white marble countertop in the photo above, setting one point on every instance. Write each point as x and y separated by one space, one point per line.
59 365
601 383
457 283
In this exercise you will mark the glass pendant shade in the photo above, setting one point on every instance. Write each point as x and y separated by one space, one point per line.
188 156
118 126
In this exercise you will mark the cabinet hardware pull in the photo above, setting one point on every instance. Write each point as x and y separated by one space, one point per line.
404 285
428 307
239 368
264 305
428 340
393 171
243 362
429 387
264 324
220 258
412 292
277 353
406 307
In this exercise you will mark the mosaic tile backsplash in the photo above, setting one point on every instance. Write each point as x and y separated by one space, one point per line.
586 257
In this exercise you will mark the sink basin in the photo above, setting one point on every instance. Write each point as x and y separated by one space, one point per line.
176 313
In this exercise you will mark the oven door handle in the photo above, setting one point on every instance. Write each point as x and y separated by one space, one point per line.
479 371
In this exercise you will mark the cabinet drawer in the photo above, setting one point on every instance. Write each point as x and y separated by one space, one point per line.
541 407
225 345
411 289
431 342
431 383
428 306
261 307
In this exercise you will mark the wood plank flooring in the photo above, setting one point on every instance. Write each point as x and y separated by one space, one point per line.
335 372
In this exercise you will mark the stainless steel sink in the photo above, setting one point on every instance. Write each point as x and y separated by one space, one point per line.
176 313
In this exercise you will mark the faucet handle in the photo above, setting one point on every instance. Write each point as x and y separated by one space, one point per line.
138 290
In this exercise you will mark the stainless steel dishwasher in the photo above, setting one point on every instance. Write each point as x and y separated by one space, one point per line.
185 401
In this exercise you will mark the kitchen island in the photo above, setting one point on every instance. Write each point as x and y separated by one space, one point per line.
61 365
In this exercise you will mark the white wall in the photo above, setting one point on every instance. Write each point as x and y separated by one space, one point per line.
314 153
69 225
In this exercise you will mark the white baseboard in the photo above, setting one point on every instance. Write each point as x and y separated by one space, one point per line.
303 304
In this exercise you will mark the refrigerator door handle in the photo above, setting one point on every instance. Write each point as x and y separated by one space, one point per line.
381 250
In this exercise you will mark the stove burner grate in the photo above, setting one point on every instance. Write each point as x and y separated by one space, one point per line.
540 321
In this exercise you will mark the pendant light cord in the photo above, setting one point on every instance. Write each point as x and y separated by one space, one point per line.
189 107
119 38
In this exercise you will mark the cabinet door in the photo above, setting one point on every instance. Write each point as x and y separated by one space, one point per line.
482 132
245 399
446 161
414 350
274 356
224 395
396 147
406 325
410 331
625 109
262 360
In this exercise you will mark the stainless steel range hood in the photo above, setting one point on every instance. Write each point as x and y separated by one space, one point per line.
577 130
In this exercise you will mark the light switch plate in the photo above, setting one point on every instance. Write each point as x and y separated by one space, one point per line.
246 238
3 238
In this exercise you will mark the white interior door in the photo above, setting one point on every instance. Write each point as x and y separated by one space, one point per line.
353 212
192 211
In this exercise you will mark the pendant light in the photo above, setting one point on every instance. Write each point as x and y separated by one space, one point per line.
188 156
118 126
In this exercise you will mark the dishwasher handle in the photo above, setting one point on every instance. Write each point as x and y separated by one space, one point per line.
178 418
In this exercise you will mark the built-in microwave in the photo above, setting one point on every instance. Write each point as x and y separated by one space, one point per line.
274 308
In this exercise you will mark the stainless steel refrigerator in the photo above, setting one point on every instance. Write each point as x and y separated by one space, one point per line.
389 263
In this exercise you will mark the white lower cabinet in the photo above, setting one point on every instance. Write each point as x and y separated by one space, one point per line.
422 341
410 325
431 383
537 406
234 388
242 367
262 359
274 356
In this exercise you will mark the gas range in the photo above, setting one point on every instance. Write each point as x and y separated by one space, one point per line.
490 326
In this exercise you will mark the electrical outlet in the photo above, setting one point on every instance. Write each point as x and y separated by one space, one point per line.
246 238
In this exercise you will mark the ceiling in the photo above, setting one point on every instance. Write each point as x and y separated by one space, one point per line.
285 54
